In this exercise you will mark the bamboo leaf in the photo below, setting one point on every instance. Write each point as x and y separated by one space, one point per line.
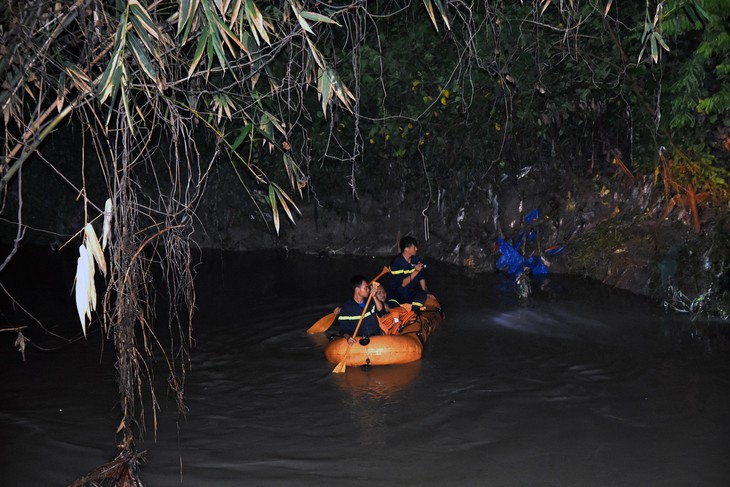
245 131
142 58
92 245
79 78
215 43
296 8
199 51
287 197
81 283
229 34
236 11
608 7
324 87
106 82
442 11
429 9
292 169
188 8
275 122
107 229
127 111
264 126
282 200
274 209
256 20
661 42
343 94
141 20
545 5
315 17
211 53
315 54
91 286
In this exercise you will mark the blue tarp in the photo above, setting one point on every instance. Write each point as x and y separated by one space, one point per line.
511 260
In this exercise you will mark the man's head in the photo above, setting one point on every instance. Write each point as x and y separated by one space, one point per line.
407 242
381 294
360 286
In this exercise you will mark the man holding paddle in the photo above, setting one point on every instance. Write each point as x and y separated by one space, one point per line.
354 309
408 283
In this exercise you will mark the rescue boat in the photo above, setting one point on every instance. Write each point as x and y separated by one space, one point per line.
405 347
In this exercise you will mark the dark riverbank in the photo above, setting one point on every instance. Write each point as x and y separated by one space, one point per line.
604 228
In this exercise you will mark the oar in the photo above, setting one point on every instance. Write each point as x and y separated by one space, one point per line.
326 321
342 366
322 324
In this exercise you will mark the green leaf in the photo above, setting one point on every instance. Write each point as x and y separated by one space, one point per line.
256 21
142 20
142 58
297 9
188 8
229 34
214 41
661 42
274 209
106 82
325 90
314 17
245 131
199 51
127 110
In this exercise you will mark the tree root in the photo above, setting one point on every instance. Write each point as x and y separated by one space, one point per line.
123 471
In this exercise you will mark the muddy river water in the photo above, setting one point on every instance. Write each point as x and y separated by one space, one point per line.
579 385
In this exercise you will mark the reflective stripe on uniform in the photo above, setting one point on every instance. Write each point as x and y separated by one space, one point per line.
356 317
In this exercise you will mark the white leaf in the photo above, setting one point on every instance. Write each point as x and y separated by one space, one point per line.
82 286
91 287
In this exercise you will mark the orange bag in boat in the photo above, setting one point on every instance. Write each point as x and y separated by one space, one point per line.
396 317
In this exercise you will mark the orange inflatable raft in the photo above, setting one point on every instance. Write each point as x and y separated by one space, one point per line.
403 348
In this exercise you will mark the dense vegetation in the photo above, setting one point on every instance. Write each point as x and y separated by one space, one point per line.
295 95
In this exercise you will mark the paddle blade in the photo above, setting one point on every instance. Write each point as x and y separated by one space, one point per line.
322 324
340 368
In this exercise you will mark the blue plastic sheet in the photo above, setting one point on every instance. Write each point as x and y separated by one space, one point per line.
511 260
536 265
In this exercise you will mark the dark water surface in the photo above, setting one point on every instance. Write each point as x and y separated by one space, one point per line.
581 385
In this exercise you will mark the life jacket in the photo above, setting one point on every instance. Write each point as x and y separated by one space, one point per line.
398 316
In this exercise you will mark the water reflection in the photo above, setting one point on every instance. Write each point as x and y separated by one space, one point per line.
378 383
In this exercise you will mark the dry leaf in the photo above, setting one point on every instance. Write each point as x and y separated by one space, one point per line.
92 244
20 343
107 231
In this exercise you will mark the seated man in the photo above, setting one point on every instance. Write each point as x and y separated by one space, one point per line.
408 283
352 310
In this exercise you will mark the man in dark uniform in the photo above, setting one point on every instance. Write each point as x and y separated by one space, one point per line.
352 310
408 283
